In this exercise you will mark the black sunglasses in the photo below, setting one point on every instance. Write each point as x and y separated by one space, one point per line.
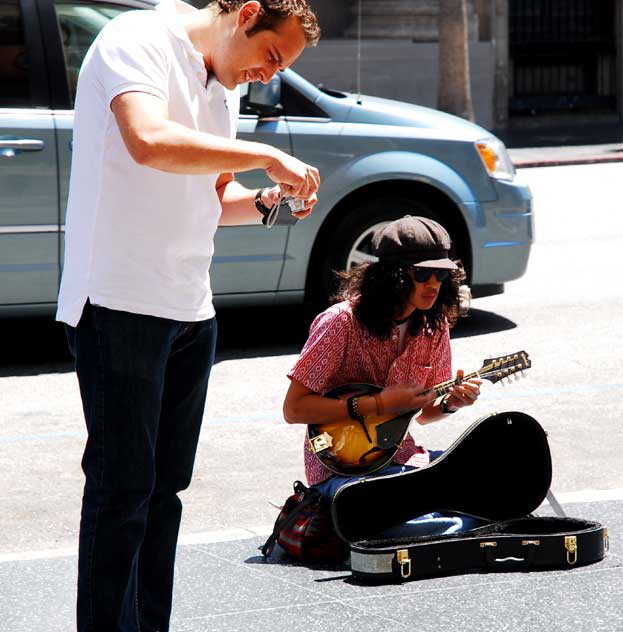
421 275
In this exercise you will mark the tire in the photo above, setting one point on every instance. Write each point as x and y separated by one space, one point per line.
350 242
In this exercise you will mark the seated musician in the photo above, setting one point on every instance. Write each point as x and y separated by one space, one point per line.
390 328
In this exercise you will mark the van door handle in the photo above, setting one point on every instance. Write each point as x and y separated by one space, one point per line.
12 147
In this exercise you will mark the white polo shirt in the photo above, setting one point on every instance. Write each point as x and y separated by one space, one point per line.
138 239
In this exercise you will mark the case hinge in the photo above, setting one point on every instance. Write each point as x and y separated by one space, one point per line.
571 544
402 557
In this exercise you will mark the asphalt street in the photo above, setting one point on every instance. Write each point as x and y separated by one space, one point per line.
566 312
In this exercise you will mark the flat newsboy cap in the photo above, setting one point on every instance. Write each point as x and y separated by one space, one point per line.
414 240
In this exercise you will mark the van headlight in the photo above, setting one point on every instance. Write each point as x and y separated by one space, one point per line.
496 158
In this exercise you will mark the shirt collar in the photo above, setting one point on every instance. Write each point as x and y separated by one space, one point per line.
168 10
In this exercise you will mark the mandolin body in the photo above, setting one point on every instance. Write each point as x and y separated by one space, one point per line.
349 447
346 448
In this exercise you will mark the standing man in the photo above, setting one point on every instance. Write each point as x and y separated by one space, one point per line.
154 157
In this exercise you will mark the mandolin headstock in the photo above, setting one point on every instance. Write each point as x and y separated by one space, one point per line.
496 369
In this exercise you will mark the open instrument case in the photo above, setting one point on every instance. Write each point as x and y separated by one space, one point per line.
499 470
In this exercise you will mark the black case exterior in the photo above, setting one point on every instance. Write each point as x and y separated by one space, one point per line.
515 545
499 470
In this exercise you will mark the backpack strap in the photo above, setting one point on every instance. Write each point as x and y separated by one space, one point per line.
310 497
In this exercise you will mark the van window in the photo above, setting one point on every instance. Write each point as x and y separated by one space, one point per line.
79 24
14 70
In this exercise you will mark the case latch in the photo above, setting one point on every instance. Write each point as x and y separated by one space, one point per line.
606 541
571 544
403 559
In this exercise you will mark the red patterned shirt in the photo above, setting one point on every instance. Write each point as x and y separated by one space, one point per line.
340 350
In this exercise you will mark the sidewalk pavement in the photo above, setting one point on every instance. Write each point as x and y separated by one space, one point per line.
227 586
539 144
224 585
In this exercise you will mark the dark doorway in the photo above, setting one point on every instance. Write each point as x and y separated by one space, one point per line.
563 56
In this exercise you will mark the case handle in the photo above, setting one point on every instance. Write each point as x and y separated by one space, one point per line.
510 560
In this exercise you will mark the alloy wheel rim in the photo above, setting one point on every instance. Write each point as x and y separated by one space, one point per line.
361 250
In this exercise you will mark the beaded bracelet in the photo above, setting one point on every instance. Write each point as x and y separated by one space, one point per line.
352 405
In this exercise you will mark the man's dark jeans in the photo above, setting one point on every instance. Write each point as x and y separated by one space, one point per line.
143 382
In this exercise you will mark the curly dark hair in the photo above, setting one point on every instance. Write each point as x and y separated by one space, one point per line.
276 11
380 290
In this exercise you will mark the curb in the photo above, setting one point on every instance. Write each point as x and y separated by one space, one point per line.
528 164
558 162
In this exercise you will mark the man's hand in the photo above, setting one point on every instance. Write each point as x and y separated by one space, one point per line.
271 196
297 178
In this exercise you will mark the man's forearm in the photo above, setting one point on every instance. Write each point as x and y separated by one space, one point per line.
238 204
153 140
174 148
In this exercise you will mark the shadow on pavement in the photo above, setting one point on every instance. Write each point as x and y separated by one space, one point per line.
479 322
37 345
251 332
32 346
280 558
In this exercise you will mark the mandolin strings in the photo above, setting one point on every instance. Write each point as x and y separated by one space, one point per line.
487 371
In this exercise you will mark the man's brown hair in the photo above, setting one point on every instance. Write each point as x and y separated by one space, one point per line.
274 12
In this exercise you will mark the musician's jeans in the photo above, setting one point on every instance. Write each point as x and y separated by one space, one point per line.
143 382
429 524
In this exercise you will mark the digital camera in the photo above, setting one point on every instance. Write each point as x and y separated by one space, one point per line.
295 204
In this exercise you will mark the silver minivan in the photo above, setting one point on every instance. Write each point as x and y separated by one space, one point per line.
378 160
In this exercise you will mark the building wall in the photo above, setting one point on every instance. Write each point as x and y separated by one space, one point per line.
397 69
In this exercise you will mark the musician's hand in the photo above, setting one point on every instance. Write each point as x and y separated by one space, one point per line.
465 393
401 398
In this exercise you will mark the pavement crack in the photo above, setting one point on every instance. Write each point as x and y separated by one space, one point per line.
265 572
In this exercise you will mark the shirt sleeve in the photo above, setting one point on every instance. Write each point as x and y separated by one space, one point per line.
323 353
129 58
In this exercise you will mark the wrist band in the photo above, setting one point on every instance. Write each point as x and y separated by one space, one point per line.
380 409
259 205
443 406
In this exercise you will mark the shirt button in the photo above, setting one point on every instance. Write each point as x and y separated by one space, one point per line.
394 337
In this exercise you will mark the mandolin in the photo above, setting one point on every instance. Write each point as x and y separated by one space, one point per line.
349 447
